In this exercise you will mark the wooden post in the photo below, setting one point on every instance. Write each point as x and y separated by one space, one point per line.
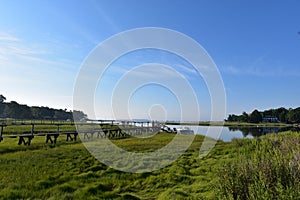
1 131
21 140
32 129
55 138
75 136
48 137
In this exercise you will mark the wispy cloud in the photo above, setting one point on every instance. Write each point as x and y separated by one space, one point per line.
16 50
261 67
150 71
17 53
12 47
155 72
186 69
272 71
8 37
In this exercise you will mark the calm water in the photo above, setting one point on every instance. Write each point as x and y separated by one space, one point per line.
228 133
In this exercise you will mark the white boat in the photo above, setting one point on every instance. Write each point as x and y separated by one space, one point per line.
167 129
185 130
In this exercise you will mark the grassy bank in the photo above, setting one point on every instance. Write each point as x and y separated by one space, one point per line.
68 171
267 167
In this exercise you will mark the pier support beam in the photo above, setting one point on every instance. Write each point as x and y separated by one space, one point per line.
1 131
48 138
22 139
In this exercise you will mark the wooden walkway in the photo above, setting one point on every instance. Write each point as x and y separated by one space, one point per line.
103 129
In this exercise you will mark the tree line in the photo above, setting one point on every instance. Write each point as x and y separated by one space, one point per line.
282 114
19 111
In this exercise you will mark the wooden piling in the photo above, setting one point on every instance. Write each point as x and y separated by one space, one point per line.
1 131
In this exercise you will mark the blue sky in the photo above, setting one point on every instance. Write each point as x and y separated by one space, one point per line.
255 44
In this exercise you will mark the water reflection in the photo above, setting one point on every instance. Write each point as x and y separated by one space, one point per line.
259 131
229 133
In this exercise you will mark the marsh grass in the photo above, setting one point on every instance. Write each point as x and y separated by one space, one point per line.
135 144
265 168
67 170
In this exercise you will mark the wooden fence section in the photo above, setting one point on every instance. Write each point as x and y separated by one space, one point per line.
120 132
102 129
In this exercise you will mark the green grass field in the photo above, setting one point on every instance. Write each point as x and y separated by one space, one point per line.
68 171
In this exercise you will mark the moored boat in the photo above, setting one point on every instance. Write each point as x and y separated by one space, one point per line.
185 130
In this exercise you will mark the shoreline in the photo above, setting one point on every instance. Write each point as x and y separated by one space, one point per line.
232 124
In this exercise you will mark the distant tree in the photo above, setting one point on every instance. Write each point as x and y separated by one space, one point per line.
232 118
47 113
229 118
2 98
24 112
18 111
282 114
294 115
282 117
62 114
36 112
11 110
255 117
79 115
238 118
2 107
268 113
244 117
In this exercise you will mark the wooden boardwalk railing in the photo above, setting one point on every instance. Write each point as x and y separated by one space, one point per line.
87 130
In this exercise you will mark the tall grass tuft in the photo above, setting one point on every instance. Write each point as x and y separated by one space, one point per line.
265 168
